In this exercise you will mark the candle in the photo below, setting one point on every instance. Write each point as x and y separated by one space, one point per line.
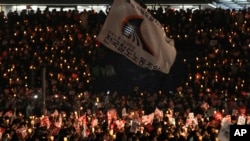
165 123
76 114
32 122
141 131
159 130
29 130
111 132
200 138
216 131
7 121
52 138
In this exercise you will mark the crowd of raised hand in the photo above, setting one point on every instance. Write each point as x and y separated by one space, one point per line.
214 45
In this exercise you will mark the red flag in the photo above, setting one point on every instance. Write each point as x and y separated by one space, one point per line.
59 122
218 116
242 110
94 122
45 122
150 128
82 120
77 127
112 114
148 119
22 132
2 131
244 93
8 114
158 113
56 113
55 130
56 126
74 75
120 124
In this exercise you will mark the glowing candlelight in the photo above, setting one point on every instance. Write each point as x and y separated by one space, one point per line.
52 138
32 122
76 114
165 123
216 131
7 121
111 132
29 130
141 130
200 138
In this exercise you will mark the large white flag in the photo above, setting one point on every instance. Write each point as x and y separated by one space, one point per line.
133 32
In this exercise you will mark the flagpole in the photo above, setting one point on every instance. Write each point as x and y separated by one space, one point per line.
44 89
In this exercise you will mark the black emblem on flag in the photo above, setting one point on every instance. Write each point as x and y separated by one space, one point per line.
131 28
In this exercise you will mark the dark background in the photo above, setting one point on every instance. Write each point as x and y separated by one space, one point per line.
128 75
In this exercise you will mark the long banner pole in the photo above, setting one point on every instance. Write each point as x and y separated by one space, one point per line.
44 90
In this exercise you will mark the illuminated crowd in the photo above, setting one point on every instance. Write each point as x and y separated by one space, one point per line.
214 45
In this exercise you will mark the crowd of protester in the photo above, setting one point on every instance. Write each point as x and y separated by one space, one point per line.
214 44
